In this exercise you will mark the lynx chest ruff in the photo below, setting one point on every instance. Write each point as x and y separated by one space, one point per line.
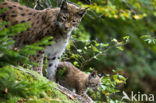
58 47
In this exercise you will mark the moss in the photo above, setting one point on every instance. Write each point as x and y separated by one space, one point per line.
61 73
30 87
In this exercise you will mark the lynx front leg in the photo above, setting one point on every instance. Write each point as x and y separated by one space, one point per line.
38 58
85 96
52 67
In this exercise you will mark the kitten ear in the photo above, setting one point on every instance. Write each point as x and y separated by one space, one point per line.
82 11
64 5
101 75
93 74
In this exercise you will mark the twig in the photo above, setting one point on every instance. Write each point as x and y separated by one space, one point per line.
98 54
76 49
37 3
129 7
57 2
95 14
90 16
46 4
71 95
87 1
90 59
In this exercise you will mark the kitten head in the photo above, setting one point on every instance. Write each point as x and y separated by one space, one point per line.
93 81
70 16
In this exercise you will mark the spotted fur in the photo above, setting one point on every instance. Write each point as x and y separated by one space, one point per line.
56 22
74 79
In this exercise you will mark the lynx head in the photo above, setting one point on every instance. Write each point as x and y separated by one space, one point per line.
93 81
70 16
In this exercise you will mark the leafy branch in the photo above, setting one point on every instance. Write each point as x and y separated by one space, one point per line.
117 45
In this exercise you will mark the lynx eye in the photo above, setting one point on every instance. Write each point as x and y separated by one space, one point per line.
64 18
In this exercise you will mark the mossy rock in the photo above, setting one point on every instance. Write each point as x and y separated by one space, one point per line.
19 84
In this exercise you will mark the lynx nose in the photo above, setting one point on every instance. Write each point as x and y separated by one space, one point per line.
66 26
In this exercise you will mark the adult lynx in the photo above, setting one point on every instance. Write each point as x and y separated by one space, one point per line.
56 22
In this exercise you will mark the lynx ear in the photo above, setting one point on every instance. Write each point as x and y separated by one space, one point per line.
64 5
82 11
93 75
101 75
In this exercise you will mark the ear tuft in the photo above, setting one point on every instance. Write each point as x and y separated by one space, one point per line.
64 5
101 75
93 74
83 11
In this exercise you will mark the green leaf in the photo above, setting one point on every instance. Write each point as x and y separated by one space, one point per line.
95 49
120 48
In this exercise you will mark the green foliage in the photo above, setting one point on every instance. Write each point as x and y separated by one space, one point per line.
36 46
149 39
16 56
114 19
18 84
83 52
1 0
61 73
92 50
108 88
7 54
109 85
106 20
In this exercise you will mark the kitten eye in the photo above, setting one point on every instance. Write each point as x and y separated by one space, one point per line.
64 18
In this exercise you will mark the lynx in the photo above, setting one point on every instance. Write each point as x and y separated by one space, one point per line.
74 79
55 22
